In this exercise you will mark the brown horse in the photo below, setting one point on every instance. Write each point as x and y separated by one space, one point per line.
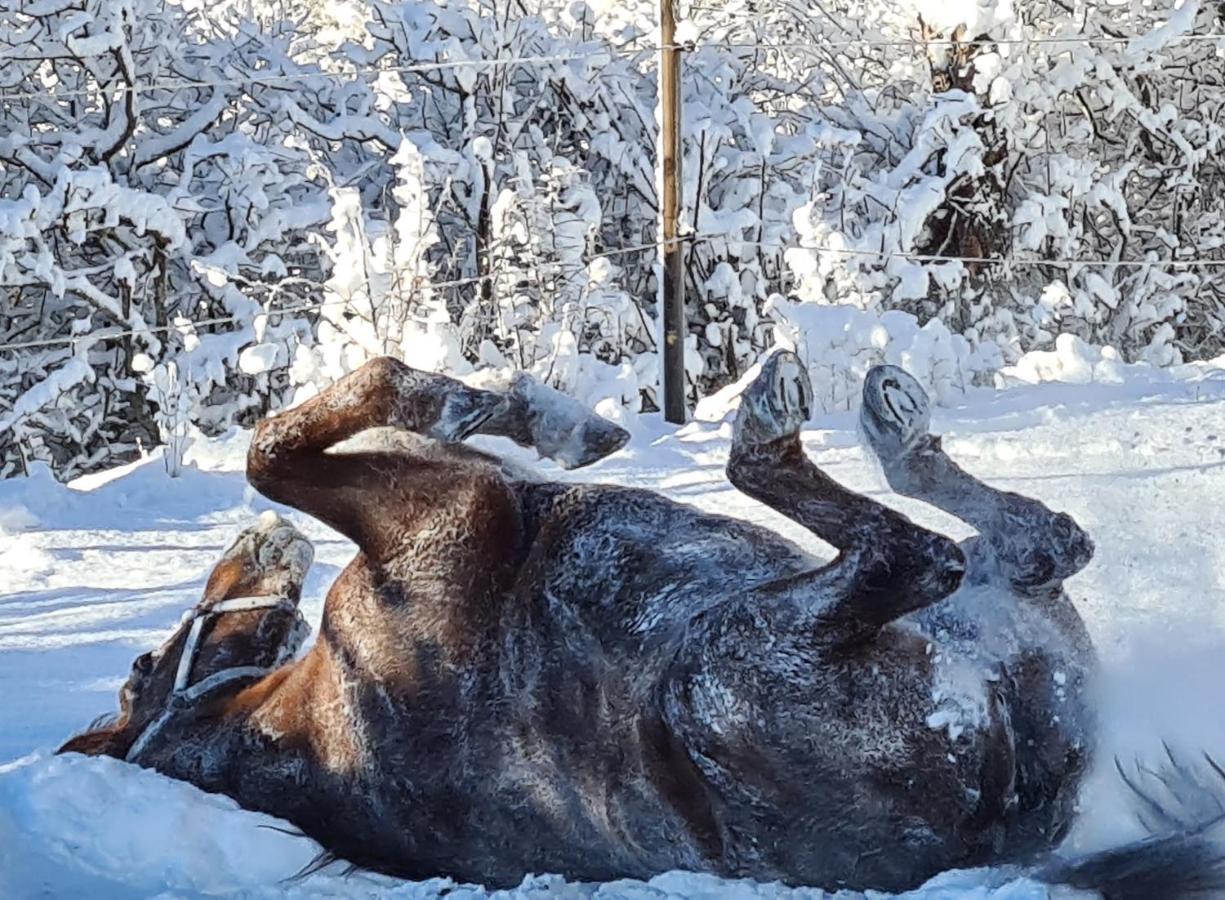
521 676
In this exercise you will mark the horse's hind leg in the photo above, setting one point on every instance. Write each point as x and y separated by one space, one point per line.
888 566
1033 547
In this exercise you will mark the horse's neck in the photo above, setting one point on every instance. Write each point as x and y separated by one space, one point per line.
378 619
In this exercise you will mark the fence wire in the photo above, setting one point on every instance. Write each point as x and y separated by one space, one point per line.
601 54
690 239
604 54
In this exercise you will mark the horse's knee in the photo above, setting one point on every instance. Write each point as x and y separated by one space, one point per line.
384 370
262 458
904 569
284 451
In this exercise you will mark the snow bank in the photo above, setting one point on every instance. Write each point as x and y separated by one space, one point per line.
101 828
103 818
839 343
1140 462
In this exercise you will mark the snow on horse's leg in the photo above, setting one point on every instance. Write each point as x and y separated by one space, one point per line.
890 566
558 426
1016 614
1032 545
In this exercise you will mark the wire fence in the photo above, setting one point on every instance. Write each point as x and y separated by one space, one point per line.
184 327
605 53
296 78
600 54
914 43
106 334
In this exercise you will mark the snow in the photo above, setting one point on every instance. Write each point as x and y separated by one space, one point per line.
95 572
978 16
257 359
75 371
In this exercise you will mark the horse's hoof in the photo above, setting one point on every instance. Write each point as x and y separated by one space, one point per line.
778 402
896 412
561 428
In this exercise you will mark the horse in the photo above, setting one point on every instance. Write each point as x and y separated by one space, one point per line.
519 675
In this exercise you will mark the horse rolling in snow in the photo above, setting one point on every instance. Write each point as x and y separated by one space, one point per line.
519 676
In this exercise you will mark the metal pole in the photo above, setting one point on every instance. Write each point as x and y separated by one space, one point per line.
670 211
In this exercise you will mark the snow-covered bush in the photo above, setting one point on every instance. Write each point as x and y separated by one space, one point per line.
839 343
476 236
209 211
138 192
1045 152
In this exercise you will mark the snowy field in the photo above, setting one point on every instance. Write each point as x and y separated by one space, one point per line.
95 573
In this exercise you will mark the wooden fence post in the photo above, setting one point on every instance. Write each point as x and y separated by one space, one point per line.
675 327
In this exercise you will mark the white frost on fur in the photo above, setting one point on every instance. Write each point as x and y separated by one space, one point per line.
276 548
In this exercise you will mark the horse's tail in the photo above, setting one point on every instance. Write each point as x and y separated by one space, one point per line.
1183 808
1163 867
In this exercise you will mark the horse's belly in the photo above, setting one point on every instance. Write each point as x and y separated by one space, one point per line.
629 566
542 794
836 754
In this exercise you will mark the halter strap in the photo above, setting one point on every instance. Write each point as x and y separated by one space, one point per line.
182 696
235 604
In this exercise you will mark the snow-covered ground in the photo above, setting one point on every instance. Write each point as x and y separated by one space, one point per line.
93 574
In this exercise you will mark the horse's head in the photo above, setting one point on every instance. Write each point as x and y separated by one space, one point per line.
247 621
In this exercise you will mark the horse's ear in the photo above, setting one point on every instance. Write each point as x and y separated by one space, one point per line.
105 740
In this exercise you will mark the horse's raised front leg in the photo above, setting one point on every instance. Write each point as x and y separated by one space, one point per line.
887 566
361 493
1033 547
556 425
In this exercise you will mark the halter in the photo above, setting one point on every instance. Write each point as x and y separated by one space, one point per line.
182 696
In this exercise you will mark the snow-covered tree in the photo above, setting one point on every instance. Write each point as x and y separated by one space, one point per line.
209 211
141 193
